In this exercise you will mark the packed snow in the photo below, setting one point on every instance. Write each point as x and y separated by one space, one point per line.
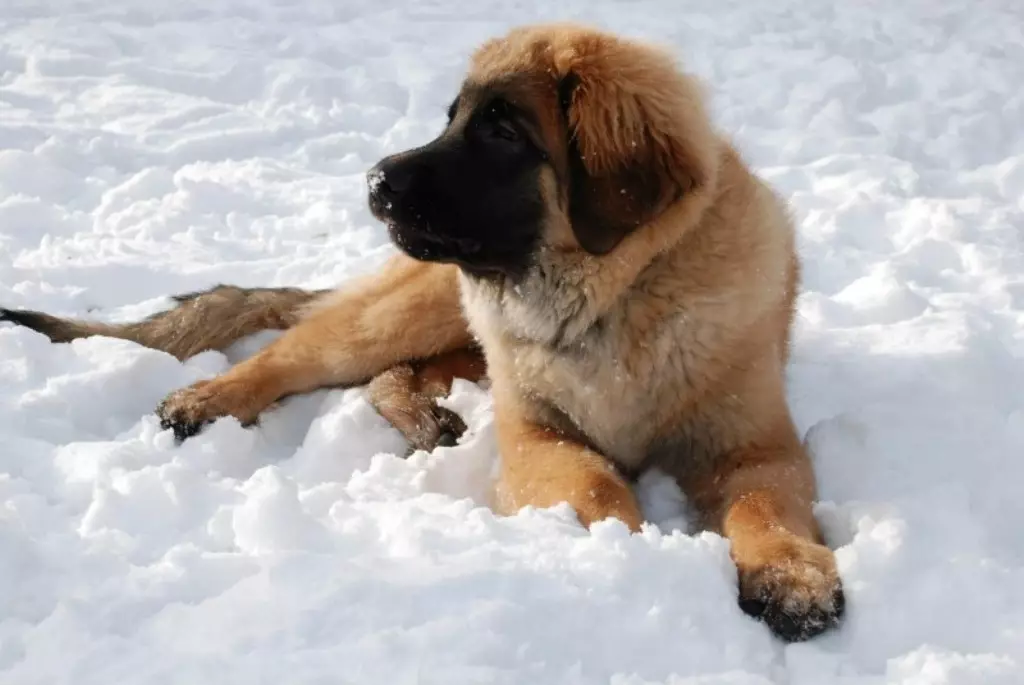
149 148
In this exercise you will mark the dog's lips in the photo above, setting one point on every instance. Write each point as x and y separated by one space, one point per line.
405 235
465 253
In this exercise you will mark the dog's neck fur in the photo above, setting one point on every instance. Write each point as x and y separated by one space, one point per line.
551 304
565 292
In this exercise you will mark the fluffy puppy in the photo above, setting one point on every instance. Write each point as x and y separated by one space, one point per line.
630 283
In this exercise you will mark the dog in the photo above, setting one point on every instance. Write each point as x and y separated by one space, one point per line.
580 235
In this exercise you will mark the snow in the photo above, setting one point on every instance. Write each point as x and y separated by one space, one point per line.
149 148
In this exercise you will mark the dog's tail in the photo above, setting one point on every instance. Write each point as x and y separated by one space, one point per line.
204 320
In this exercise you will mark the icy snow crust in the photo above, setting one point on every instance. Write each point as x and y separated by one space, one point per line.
148 148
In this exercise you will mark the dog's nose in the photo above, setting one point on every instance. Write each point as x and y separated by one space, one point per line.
389 180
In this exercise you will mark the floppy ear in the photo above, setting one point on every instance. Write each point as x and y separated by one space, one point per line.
638 140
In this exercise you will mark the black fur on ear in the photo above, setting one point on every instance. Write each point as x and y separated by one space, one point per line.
566 87
604 207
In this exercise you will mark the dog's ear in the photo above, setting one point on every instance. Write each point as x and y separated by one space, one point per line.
638 139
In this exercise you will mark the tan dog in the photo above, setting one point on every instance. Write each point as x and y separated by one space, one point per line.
630 282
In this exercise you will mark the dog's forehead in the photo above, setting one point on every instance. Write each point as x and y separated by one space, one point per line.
521 90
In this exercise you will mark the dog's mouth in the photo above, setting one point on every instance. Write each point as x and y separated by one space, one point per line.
466 253
415 236
425 244
423 239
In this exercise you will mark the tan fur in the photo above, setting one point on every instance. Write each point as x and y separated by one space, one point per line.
541 466
677 338
408 311
406 395
668 350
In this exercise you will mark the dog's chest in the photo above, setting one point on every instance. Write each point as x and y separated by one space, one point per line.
617 393
619 387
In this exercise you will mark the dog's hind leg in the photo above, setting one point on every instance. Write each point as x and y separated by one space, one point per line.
407 394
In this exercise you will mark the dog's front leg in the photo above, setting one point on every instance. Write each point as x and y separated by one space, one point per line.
760 498
409 310
541 467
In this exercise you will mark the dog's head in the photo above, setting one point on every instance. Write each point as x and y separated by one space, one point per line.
560 137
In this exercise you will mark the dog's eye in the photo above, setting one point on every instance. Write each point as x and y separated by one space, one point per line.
503 128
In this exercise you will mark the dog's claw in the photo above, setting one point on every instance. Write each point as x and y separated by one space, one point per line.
447 439
450 424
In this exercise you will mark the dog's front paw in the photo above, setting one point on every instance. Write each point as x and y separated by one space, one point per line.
188 410
796 592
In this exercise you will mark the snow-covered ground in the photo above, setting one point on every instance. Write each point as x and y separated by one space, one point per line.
150 146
